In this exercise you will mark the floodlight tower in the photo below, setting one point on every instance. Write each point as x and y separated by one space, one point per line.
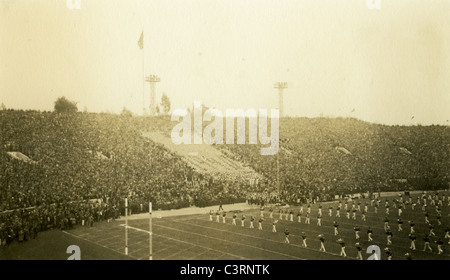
280 86
152 79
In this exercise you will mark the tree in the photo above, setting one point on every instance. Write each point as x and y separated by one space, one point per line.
63 105
165 103
3 107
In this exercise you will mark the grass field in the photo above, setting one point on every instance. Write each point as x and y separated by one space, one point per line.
194 237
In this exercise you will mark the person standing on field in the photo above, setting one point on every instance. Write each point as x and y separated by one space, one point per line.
336 225
304 240
413 238
322 242
400 224
274 226
286 234
342 243
359 249
369 234
426 246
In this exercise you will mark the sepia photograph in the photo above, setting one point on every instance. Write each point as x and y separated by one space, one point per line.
224 130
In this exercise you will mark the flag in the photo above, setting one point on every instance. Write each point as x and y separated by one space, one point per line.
141 41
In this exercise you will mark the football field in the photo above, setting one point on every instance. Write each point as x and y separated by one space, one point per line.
195 237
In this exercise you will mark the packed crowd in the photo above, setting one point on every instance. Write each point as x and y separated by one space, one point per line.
322 158
25 224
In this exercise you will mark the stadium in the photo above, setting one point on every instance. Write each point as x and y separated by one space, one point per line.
67 175
105 106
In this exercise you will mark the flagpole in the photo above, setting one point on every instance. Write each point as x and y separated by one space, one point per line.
126 226
143 73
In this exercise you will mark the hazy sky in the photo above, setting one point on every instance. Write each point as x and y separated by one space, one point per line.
388 65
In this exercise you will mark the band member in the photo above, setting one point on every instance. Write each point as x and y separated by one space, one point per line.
286 234
234 219
274 226
342 243
357 230
447 233
251 222
322 242
427 221
354 214
388 253
426 246
210 215
359 249
411 227
400 224
304 240
260 223
243 220
439 243
438 218
369 234
386 224
389 237
307 219
431 230
336 225
413 238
